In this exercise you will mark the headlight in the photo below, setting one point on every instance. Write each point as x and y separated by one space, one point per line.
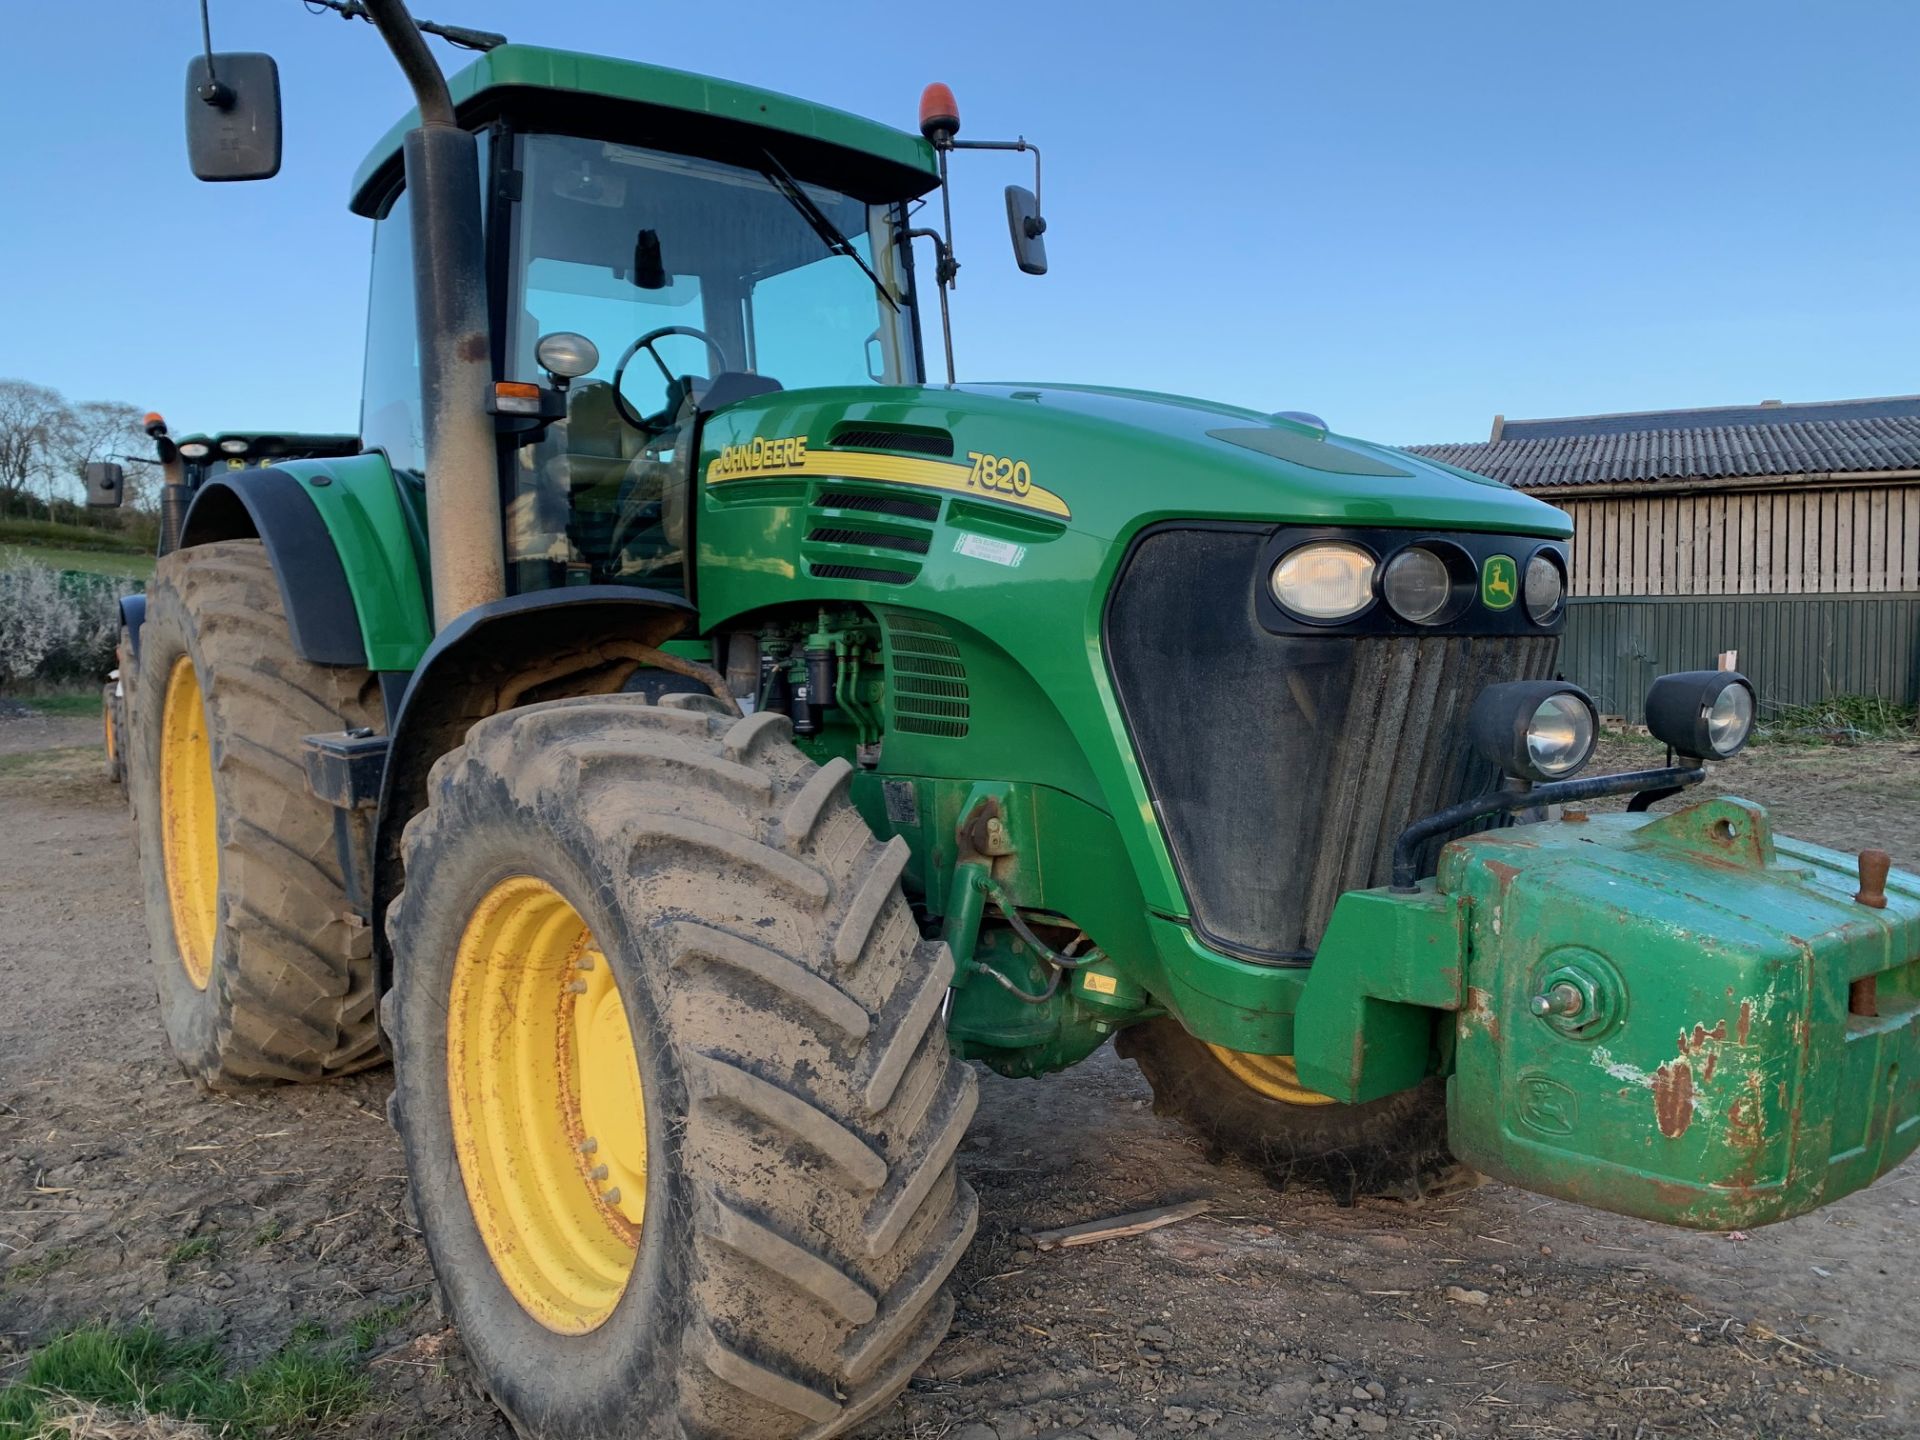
194 450
1418 586
233 447
1703 714
1534 729
1326 580
1545 588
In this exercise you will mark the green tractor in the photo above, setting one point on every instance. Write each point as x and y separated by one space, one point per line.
184 464
686 734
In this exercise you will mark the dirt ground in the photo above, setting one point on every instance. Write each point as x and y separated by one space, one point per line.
125 1193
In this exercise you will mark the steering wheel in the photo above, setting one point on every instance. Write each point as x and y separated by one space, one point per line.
646 342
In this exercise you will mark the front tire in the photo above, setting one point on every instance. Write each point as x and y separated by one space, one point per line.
1253 1106
677 1103
264 972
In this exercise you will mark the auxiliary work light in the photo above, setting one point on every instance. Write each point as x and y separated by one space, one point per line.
1706 714
1534 729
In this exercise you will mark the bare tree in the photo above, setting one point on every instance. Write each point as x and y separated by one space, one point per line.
34 422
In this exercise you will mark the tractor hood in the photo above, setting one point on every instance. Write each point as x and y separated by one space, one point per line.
1107 461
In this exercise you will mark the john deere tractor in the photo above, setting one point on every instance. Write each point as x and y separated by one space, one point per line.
184 466
686 734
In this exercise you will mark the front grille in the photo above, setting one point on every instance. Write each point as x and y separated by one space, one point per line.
1283 767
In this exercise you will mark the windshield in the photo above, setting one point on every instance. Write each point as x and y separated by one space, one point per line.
758 280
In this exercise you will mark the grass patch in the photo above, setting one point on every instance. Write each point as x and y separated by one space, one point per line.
188 1251
62 702
132 566
311 1382
39 1267
74 537
1838 720
266 1234
68 760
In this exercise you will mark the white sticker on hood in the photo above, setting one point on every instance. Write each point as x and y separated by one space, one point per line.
982 547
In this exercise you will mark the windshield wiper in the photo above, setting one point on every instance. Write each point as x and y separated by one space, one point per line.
781 180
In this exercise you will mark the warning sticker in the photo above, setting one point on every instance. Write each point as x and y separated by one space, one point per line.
983 547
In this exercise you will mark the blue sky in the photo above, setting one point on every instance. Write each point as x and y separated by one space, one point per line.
1404 216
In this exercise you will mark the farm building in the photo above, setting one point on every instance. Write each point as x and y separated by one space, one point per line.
1790 533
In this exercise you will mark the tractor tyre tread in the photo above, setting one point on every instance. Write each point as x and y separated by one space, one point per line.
1395 1146
292 984
799 1007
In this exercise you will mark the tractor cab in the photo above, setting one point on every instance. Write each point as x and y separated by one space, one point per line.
676 261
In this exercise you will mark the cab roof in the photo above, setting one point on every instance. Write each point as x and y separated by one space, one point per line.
642 104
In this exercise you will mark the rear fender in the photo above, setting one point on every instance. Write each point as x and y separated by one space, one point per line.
342 547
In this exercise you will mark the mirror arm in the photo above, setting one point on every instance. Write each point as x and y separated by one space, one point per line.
1037 226
944 269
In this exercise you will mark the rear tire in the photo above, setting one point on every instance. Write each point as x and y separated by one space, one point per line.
268 976
1395 1146
799 1105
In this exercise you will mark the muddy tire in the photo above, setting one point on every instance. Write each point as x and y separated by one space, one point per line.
264 974
794 1105
114 760
1394 1146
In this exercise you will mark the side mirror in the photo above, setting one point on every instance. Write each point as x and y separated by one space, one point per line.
106 485
233 116
1027 226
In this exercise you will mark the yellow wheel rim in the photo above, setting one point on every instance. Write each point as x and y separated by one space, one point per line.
549 1118
189 834
1274 1076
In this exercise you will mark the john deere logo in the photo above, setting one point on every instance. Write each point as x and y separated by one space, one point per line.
1497 582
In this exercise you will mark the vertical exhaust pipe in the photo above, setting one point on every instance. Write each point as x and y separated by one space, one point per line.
456 349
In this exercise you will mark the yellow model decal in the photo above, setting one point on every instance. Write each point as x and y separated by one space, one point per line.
992 477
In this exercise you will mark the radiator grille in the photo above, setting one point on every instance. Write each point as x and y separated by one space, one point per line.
1283 767
926 681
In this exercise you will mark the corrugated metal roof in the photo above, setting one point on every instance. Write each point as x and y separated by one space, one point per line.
1662 451
1772 412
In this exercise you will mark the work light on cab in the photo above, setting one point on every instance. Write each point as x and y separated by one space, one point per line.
1706 714
1534 729
566 355
194 450
1325 582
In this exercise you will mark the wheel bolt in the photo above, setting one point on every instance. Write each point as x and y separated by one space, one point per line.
578 987
612 1197
599 1172
589 1145
585 962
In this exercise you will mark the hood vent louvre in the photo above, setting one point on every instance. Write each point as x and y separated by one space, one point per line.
898 438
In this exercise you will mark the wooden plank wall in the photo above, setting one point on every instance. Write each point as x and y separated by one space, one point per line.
1806 541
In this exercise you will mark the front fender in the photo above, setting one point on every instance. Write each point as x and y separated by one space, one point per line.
478 666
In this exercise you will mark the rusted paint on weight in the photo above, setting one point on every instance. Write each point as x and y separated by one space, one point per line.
1673 1098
